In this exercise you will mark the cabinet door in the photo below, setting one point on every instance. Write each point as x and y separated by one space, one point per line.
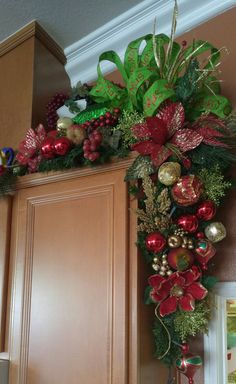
68 320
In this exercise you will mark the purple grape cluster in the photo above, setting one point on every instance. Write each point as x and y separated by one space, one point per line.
51 115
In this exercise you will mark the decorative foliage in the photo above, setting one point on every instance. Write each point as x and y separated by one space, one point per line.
126 122
214 185
156 213
191 323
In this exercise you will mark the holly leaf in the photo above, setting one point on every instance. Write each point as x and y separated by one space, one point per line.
142 166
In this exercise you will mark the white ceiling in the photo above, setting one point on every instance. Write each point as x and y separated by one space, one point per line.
67 21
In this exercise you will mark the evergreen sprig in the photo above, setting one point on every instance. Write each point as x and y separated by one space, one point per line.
214 183
190 323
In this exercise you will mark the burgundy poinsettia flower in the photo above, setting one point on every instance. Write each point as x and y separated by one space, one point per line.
165 134
29 148
180 289
165 128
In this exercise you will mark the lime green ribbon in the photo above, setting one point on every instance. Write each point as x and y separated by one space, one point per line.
149 76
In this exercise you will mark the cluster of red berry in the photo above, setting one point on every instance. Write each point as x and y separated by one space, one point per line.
92 143
56 102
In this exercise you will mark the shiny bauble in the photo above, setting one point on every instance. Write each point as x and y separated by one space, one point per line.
188 222
206 210
47 148
61 146
188 365
63 123
155 242
180 258
215 232
76 133
187 190
174 241
200 235
204 251
169 173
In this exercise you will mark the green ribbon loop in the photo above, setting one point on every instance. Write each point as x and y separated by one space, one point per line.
159 91
136 80
217 104
113 58
132 55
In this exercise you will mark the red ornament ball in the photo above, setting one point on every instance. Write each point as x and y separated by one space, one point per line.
187 190
180 258
189 223
206 210
62 146
47 148
155 242
200 235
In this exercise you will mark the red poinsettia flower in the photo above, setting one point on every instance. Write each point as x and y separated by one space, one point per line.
165 134
166 127
180 289
29 148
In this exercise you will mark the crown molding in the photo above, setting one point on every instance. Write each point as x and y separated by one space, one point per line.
30 30
82 56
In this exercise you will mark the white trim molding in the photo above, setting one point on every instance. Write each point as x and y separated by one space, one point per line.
82 56
215 343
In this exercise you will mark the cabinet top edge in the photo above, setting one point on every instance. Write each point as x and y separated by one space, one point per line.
36 179
30 30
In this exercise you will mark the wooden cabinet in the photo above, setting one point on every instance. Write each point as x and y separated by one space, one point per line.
75 312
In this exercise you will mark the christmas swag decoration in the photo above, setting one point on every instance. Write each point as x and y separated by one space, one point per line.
169 110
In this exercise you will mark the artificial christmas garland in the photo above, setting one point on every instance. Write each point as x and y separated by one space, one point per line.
171 113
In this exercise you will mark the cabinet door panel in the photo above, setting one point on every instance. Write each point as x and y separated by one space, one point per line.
68 321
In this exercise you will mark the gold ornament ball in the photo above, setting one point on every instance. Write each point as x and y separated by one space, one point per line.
215 232
174 241
63 123
76 134
169 173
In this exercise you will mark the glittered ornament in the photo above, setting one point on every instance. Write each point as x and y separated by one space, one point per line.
188 222
188 365
169 173
47 148
204 251
180 258
187 190
215 232
174 241
206 210
61 146
63 123
155 242
76 133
